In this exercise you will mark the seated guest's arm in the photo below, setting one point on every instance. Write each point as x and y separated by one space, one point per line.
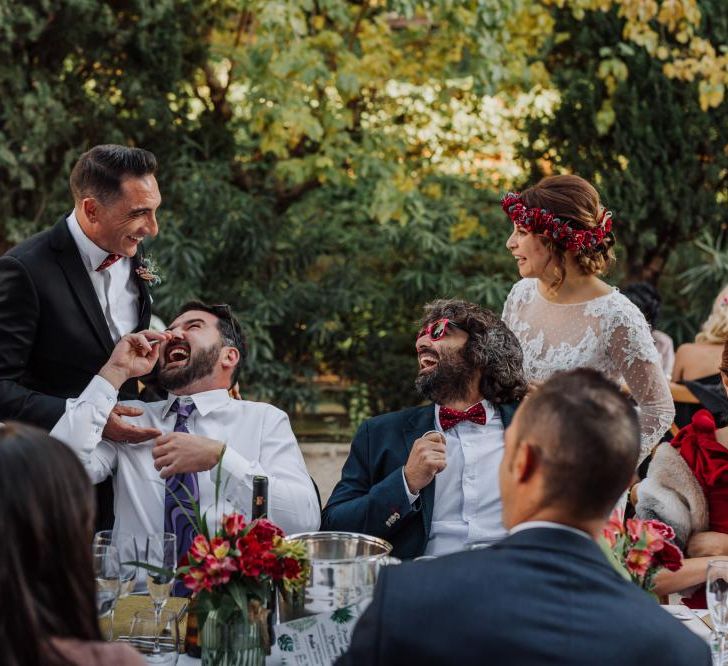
292 501
692 572
81 426
704 544
358 504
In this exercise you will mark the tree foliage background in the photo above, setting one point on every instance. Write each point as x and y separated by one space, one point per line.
328 166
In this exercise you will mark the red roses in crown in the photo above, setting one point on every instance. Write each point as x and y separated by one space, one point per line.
643 547
241 557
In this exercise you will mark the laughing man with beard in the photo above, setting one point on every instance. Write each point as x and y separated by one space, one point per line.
426 478
203 428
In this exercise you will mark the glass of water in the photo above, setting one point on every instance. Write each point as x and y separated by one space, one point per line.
156 636
716 591
106 572
128 549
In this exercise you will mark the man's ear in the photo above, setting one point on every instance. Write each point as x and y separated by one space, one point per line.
89 205
230 357
526 461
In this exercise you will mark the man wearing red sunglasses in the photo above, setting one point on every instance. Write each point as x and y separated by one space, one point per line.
426 478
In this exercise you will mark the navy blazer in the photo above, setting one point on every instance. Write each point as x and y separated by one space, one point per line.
542 596
370 497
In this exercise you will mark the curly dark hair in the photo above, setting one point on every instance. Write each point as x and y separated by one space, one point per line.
491 346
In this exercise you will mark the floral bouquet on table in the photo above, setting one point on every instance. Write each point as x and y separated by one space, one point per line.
640 548
232 573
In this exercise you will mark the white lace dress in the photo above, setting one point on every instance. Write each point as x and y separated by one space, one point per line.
607 333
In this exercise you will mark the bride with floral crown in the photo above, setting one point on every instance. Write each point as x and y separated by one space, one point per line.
563 314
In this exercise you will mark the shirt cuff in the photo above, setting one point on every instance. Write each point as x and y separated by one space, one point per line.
410 497
101 394
236 465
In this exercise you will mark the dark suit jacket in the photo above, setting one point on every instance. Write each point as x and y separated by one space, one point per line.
53 334
370 497
542 596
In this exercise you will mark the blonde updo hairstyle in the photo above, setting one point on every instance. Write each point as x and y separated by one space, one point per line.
714 330
573 198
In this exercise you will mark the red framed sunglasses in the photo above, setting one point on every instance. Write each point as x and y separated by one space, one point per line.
438 329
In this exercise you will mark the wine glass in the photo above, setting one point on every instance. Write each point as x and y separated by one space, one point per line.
106 572
717 594
161 552
156 636
128 549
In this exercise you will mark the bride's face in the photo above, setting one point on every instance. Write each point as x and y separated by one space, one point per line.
531 255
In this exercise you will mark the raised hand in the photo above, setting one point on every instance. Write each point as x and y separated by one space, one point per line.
135 355
118 430
427 458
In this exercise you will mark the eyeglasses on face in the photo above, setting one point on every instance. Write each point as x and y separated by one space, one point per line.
438 329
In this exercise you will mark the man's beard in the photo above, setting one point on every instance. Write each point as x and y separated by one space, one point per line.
448 381
201 364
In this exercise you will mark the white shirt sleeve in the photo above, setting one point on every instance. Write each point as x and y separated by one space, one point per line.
410 497
292 502
82 425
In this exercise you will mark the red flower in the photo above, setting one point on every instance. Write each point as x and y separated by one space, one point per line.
291 568
665 531
670 557
219 547
196 580
233 524
264 531
200 548
218 571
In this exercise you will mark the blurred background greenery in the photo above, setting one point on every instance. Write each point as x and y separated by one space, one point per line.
328 166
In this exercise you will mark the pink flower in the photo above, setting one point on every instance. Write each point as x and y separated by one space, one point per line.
233 524
219 547
670 557
218 571
200 548
638 561
614 528
665 531
196 580
635 529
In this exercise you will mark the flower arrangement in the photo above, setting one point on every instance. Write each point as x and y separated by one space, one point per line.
642 547
149 271
241 560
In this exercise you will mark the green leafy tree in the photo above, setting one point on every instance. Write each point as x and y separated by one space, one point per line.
655 155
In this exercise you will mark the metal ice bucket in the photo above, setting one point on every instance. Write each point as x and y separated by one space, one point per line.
344 568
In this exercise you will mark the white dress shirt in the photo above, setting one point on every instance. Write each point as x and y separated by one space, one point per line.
467 496
259 441
117 292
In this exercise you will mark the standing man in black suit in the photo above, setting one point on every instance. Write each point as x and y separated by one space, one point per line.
69 293
426 478
546 594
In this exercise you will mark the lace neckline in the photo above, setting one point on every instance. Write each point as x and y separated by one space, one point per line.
542 298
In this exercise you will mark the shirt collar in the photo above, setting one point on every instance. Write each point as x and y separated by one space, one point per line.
205 401
91 254
531 524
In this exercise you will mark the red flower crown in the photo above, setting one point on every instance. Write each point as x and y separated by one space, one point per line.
542 222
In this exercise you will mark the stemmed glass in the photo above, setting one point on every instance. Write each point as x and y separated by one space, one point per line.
156 636
717 594
161 552
126 544
106 572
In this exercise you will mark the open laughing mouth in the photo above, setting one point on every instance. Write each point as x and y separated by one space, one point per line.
176 355
427 361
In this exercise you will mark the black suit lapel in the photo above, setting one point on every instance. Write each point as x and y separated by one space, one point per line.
421 420
71 263
145 300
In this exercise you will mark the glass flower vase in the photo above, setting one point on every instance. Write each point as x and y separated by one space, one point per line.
239 640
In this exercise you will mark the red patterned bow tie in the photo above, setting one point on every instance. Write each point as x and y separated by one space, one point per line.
110 259
451 417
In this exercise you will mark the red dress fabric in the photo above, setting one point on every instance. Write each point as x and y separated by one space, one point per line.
708 460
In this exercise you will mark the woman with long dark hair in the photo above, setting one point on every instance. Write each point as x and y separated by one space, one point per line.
48 613
563 314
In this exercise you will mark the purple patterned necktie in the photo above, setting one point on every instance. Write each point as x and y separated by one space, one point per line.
175 519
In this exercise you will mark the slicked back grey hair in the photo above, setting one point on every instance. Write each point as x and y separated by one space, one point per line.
491 346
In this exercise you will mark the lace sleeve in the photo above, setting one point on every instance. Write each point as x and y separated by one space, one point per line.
509 309
634 354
